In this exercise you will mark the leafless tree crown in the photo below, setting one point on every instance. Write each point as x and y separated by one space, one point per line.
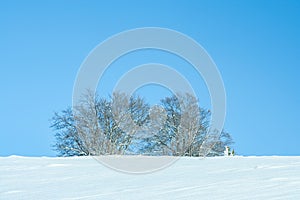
128 125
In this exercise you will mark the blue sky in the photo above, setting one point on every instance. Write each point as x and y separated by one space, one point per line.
255 44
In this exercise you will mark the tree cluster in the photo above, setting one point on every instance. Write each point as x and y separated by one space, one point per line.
129 125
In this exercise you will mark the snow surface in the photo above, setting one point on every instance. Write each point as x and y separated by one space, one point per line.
188 178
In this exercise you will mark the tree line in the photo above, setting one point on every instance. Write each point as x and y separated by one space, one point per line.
124 124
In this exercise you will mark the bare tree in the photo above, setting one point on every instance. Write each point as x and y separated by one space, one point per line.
68 142
91 134
124 117
186 132
97 126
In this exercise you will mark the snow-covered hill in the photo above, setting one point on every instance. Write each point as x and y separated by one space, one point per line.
188 178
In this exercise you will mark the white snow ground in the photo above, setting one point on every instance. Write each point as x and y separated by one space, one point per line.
189 178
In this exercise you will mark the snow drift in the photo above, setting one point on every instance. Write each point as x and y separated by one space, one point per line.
188 178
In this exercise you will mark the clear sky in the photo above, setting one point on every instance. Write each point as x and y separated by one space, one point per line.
255 44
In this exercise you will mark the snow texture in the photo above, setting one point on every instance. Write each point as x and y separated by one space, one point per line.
188 178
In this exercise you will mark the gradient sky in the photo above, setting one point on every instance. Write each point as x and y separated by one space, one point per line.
255 44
